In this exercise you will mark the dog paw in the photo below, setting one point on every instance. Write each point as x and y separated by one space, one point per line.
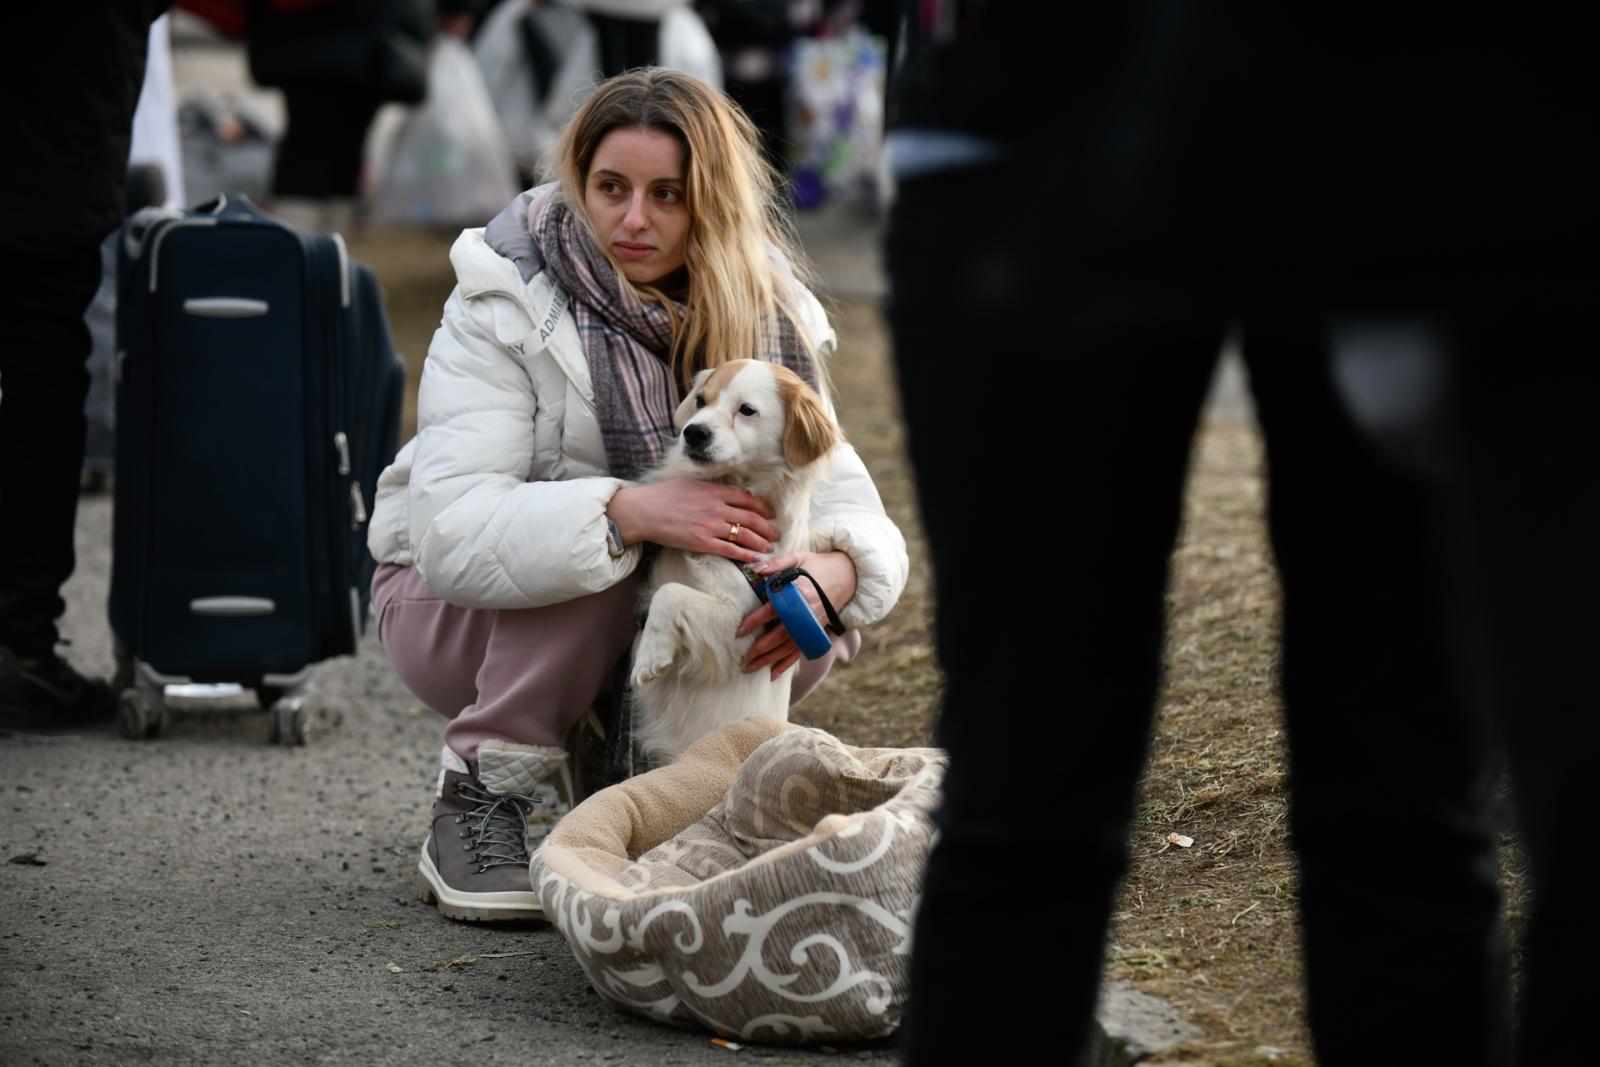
652 658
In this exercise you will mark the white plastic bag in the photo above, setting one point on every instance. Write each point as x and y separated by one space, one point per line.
509 77
448 164
686 45
836 117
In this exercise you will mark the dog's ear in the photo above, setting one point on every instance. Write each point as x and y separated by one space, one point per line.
687 408
808 432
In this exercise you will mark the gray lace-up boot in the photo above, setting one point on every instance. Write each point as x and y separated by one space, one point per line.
474 864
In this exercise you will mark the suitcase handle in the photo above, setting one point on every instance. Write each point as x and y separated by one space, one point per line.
235 207
140 223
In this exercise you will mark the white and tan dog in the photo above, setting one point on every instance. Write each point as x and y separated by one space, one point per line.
758 426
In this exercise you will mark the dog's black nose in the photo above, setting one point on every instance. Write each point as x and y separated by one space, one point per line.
696 436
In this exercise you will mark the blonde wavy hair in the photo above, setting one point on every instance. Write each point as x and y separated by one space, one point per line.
737 220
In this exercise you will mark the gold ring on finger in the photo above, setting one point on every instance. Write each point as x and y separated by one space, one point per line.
733 532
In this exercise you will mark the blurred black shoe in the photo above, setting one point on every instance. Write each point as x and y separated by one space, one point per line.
44 691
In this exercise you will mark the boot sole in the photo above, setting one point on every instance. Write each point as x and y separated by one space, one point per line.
473 907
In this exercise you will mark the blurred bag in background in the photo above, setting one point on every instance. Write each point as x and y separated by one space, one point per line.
448 164
227 148
836 117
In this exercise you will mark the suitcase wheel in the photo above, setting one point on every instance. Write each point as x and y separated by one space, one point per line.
138 716
290 721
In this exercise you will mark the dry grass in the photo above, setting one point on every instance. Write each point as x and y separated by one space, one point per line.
1211 928
889 695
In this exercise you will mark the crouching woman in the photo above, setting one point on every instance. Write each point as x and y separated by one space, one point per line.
509 531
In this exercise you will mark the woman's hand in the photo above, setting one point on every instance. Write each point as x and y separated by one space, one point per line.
776 647
696 516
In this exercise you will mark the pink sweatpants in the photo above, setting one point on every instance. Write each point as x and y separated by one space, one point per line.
524 675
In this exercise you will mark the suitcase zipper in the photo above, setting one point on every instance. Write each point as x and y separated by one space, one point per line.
344 270
341 444
337 320
322 354
358 507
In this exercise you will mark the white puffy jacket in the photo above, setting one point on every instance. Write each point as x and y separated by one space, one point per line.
500 499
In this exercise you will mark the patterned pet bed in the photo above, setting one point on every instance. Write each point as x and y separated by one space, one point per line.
761 886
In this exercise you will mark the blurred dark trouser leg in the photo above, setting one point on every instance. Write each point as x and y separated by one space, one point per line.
1532 409
1392 754
320 155
765 102
1033 386
43 382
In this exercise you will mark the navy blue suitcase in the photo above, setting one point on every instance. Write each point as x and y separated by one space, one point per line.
258 400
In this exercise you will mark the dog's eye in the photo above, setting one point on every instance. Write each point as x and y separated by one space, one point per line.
746 409
699 402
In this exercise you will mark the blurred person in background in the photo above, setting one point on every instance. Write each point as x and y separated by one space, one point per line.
1398 213
511 530
541 58
633 33
754 38
67 138
463 18
336 62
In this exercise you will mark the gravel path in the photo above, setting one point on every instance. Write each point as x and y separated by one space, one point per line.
209 895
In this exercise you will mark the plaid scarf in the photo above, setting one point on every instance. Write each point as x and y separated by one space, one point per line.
628 341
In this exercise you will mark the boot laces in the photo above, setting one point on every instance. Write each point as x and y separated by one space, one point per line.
499 826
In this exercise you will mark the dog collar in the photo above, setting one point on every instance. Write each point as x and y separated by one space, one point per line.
758 582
